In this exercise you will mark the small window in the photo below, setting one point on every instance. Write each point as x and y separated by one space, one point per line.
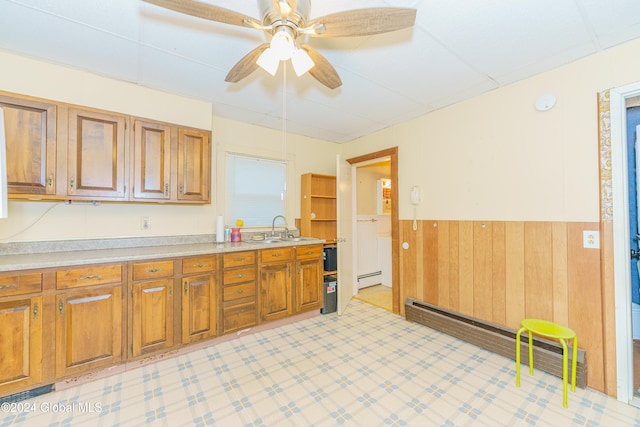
255 189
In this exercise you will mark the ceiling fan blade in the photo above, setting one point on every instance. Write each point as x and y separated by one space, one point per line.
364 22
322 71
206 11
285 7
246 65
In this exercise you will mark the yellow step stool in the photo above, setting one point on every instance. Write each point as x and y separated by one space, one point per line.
549 330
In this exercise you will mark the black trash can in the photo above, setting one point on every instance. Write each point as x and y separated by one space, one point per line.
330 257
330 295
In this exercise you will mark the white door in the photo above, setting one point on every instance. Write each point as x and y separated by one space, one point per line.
345 240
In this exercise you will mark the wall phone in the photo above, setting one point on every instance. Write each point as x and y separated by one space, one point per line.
415 195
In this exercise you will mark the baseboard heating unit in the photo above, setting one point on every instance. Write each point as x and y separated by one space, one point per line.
547 354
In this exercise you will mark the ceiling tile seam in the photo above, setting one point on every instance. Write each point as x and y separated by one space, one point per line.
459 57
587 23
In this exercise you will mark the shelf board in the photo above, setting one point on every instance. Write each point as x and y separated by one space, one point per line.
319 196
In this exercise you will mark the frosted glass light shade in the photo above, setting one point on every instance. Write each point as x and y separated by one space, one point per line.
301 61
269 61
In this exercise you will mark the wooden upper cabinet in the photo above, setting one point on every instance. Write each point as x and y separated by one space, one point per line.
152 161
30 128
96 155
194 165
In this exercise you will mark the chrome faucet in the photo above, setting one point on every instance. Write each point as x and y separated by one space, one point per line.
273 226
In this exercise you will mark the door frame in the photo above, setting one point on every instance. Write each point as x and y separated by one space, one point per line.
392 153
619 204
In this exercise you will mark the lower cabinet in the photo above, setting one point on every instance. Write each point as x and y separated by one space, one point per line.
276 283
60 323
239 308
88 329
309 280
199 302
152 307
20 343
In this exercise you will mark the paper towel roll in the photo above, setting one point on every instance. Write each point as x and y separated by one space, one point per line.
219 229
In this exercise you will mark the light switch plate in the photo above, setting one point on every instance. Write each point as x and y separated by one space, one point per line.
591 239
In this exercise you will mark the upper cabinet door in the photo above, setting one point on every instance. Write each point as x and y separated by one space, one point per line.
30 128
194 165
152 161
96 155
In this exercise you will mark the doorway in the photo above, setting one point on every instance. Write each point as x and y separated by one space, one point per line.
377 157
372 234
615 211
633 173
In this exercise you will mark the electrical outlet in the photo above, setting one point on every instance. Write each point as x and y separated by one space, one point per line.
591 239
145 223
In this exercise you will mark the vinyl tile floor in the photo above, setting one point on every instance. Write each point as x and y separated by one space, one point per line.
367 367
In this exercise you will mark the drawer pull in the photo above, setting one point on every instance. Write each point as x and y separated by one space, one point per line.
154 270
9 286
239 276
241 259
276 255
240 291
309 253
200 265
91 277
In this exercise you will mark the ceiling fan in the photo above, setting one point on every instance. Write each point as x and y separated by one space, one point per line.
287 21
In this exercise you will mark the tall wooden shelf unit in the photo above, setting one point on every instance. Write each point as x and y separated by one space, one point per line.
318 210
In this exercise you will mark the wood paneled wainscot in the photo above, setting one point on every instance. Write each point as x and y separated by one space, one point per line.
21 331
503 272
89 322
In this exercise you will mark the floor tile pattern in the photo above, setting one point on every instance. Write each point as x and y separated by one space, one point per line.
367 367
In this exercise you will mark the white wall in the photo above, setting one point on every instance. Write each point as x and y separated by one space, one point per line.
30 220
495 157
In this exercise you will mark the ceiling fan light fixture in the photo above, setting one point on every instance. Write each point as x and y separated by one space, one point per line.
282 43
269 61
301 61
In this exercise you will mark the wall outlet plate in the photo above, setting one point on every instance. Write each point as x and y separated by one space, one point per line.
145 223
591 239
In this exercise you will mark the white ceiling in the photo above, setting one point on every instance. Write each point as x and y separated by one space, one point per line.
458 49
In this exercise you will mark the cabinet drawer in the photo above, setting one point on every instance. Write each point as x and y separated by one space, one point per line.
232 293
239 275
152 270
278 254
237 259
239 317
89 276
311 251
199 264
20 284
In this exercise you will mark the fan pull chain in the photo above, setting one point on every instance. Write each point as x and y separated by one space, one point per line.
284 130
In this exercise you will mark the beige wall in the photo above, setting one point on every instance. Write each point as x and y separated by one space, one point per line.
30 220
366 182
494 157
